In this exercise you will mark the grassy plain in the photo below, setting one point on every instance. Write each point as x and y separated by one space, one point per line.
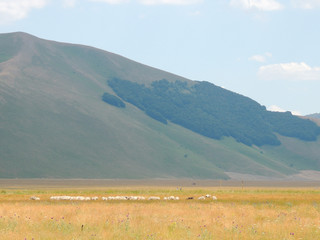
239 213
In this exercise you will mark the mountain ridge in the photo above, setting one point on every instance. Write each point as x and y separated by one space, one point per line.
55 124
314 115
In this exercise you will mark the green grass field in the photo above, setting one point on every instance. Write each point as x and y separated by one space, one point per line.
239 213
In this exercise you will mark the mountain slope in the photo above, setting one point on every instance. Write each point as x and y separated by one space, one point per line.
315 115
213 111
55 124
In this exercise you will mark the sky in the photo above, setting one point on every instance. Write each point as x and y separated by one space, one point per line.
268 50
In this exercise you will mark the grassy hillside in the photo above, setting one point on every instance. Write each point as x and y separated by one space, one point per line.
53 123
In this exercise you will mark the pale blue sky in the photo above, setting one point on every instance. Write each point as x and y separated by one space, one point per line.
268 50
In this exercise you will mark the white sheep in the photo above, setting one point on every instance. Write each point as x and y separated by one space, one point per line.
202 198
35 198
171 198
134 198
118 198
55 198
214 198
68 198
137 198
122 198
208 196
94 198
65 197
154 198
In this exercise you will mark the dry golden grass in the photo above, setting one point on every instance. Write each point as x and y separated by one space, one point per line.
248 213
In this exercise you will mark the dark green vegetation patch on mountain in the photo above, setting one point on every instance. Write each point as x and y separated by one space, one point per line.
213 111
113 100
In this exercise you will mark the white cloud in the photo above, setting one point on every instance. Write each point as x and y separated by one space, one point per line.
153 2
69 3
262 5
296 113
170 2
275 108
261 58
258 58
289 71
12 10
306 4
111 1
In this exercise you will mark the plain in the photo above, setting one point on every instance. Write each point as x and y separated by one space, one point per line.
239 213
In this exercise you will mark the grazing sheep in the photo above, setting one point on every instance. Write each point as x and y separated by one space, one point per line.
77 198
171 198
122 198
154 198
134 198
55 198
34 198
208 195
190 198
94 198
214 198
202 198
118 198
65 198
104 198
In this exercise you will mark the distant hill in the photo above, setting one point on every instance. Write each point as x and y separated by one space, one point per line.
315 115
73 111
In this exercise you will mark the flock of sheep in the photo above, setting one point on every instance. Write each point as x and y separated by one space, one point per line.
81 198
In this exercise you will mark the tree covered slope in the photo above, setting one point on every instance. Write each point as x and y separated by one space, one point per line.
214 112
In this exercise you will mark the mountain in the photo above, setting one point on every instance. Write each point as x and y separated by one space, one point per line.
73 111
315 115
